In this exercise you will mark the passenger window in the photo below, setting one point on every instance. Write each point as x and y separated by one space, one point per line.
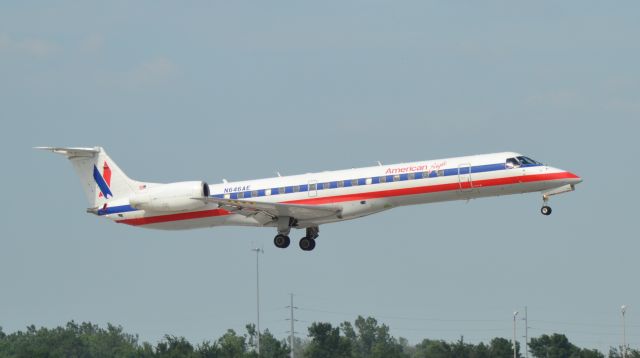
396 178
281 190
267 192
368 181
340 184
327 185
227 196
383 179
354 182
254 193
296 188
425 175
411 176
440 172
312 186
240 195
512 163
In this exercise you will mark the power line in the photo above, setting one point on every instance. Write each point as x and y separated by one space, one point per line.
405 317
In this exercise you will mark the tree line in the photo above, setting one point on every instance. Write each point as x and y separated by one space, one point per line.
363 338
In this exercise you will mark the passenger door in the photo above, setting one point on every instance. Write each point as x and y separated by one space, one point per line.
313 188
464 177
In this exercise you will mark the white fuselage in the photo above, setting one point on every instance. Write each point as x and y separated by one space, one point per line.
362 191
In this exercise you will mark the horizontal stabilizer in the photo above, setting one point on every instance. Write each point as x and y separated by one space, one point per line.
71 152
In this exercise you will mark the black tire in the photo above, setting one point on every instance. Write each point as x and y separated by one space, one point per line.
281 241
307 244
546 210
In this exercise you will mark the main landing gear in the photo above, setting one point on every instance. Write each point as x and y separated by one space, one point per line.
281 241
307 243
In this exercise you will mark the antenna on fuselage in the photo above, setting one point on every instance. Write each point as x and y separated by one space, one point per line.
278 174
224 180
379 163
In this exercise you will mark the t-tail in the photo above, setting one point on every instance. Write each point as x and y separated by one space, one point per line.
103 181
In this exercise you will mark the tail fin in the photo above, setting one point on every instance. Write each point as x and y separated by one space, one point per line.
102 179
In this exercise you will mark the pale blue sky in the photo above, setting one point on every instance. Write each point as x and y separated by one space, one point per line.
240 90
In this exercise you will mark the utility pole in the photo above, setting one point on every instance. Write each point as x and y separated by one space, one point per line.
526 333
515 355
292 335
623 309
258 251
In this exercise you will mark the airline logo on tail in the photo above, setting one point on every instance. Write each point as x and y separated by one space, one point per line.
103 180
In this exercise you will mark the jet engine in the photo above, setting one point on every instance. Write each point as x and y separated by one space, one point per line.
181 196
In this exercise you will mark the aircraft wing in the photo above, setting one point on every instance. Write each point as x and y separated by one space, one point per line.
273 210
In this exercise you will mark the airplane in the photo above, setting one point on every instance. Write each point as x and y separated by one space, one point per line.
309 200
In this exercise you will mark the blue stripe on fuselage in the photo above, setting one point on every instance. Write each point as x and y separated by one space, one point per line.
389 179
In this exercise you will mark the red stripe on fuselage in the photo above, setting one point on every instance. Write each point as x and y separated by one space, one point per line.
174 217
433 188
361 196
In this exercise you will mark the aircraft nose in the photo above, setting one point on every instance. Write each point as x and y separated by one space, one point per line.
574 179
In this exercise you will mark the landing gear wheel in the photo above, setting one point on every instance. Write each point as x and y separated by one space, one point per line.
307 244
546 210
281 241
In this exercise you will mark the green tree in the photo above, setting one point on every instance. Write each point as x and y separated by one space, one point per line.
326 342
460 349
72 340
299 346
433 349
558 346
406 347
145 351
270 347
503 348
481 351
207 349
174 347
617 353
370 340
231 345
112 342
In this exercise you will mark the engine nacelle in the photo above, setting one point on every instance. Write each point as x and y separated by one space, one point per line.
172 197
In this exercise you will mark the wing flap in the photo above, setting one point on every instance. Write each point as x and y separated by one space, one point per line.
274 210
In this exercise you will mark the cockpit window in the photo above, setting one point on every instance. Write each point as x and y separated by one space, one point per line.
526 161
512 163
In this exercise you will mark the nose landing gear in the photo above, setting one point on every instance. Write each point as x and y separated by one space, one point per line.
546 209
